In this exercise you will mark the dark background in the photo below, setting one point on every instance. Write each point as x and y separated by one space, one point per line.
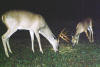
54 8
59 14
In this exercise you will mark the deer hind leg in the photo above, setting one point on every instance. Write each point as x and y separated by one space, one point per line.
92 39
8 46
32 39
77 38
5 40
4 45
91 34
38 39
88 36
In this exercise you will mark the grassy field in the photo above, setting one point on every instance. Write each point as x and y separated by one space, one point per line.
82 55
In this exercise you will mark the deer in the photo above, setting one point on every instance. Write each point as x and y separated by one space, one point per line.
25 20
83 26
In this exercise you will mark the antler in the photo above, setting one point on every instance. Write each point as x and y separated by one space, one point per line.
63 36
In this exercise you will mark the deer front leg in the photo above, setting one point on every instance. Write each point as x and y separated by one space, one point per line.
58 38
32 39
38 39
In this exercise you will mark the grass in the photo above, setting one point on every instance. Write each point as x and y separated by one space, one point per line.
82 55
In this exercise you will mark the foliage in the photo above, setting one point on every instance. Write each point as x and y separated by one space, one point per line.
82 55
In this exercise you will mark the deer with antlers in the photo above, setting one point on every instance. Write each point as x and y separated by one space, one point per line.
83 26
25 20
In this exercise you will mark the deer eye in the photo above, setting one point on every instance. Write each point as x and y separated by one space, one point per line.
54 37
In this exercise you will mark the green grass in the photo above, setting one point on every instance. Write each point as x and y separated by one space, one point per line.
82 55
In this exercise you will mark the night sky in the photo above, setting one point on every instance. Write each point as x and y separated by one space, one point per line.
54 9
57 13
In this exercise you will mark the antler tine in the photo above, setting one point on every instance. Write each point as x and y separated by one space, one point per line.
63 30
63 36
59 36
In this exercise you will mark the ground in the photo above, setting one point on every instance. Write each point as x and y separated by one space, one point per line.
82 55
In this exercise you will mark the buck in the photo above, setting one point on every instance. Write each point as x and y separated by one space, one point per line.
24 20
83 26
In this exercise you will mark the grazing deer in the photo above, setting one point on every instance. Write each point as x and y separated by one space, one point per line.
24 20
63 36
83 26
